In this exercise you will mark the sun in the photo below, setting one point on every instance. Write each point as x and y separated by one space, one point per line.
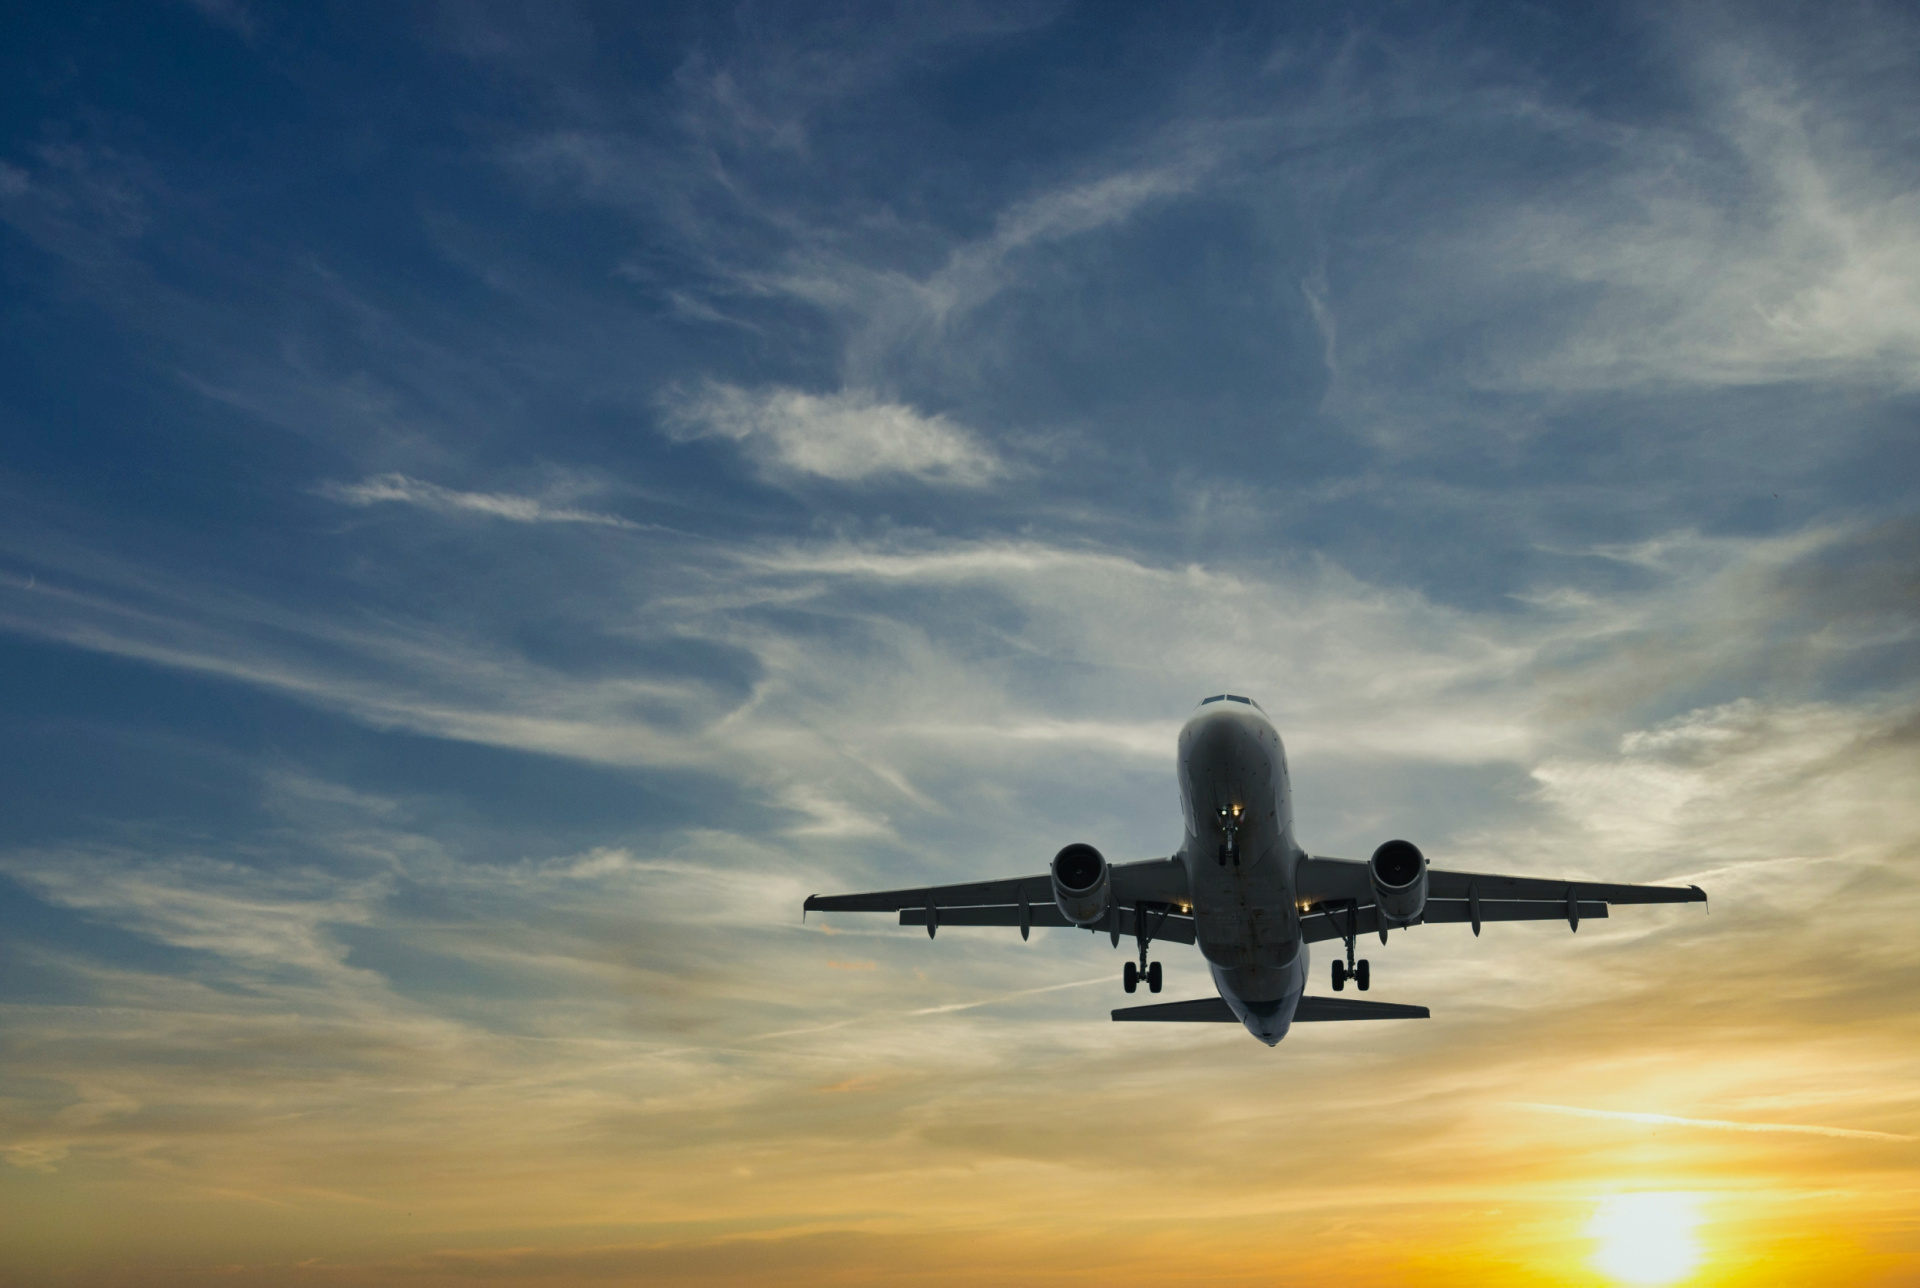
1645 1238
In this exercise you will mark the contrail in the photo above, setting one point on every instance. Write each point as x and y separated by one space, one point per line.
1716 1124
927 1010
1005 997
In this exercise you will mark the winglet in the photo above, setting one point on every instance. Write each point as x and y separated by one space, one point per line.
1700 896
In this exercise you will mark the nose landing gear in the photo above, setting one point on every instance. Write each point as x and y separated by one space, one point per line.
1230 816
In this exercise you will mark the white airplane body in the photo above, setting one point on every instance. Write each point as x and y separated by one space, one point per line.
1246 894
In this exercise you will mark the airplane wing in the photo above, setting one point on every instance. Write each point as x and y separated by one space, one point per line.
1335 890
1214 1010
1161 884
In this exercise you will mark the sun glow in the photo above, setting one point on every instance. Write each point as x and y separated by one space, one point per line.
1645 1238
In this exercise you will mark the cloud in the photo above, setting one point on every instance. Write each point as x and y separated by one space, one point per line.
902 324
1764 241
848 437
400 489
448 1000
951 639
948 1008
1717 1124
231 14
408 1012
977 270
88 203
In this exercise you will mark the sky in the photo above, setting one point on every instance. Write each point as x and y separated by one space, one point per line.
499 502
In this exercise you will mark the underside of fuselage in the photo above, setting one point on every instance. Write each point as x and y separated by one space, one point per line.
1240 856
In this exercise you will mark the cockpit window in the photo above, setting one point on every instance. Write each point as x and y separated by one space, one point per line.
1234 697
1218 697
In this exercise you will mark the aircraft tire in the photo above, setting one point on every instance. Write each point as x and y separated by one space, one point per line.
1360 974
1130 978
1153 978
1339 977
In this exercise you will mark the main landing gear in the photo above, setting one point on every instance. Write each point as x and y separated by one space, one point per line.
1351 970
1147 918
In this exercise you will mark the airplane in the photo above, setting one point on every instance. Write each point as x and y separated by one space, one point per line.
1243 890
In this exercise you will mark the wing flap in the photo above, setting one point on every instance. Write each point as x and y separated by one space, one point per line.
1148 881
1455 885
1039 890
1173 927
1459 910
1324 923
1322 880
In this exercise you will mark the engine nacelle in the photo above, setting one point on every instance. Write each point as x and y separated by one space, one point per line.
1399 874
1081 879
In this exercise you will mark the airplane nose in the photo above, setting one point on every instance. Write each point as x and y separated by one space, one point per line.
1220 734
1222 745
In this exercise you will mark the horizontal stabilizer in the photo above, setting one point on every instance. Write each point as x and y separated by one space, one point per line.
1201 1010
1214 1010
1352 1008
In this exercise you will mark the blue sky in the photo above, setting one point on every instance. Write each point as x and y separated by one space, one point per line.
501 501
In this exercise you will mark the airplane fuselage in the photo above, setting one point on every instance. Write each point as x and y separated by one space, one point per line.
1238 886
1240 858
1247 895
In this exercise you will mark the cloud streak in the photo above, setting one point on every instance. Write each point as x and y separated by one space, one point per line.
1717 1124
400 490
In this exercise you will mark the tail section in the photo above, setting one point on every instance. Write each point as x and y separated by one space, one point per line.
1214 1010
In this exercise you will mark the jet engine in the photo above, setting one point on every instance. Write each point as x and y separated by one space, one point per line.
1081 879
1399 874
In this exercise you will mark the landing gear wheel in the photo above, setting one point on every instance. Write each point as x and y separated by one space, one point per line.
1339 977
1153 978
1360 974
1130 977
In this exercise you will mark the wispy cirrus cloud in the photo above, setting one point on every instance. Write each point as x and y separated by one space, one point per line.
848 437
230 14
1760 242
402 490
1716 1124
